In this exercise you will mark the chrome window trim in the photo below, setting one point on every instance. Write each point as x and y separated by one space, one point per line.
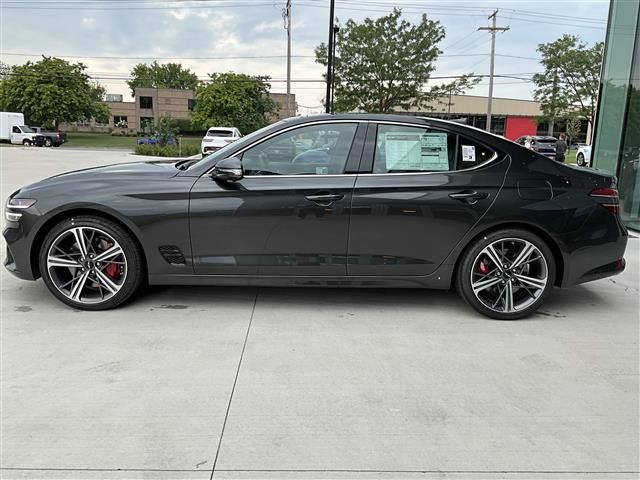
284 130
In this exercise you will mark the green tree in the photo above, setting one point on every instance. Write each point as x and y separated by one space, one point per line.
165 128
233 100
569 85
167 75
52 91
572 127
384 64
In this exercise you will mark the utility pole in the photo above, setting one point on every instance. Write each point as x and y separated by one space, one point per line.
330 57
286 13
493 29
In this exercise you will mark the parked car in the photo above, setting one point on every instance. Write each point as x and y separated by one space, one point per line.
154 141
361 201
543 145
217 138
583 156
50 138
13 129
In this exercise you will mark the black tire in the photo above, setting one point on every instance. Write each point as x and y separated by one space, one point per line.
26 142
136 267
580 160
48 142
468 262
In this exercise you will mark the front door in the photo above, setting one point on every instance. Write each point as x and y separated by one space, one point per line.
424 190
289 215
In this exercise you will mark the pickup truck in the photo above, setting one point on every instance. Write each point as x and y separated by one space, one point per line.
50 138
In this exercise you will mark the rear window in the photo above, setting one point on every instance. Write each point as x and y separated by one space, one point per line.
219 133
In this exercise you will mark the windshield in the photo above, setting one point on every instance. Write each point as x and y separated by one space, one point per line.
219 133
26 129
222 153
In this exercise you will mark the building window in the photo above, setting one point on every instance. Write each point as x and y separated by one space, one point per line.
497 125
191 104
120 121
146 102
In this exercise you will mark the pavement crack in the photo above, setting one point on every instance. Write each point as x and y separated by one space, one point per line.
233 388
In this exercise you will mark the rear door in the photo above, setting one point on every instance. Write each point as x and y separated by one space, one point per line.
424 189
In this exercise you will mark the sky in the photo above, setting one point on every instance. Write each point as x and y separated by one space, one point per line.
248 36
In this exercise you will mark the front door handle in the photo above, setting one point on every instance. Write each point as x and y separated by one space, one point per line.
325 198
469 196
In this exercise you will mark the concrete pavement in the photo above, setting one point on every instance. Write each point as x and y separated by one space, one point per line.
323 383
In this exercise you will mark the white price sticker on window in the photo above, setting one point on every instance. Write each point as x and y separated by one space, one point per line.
468 153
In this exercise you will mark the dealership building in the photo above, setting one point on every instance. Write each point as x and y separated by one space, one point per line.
616 144
511 117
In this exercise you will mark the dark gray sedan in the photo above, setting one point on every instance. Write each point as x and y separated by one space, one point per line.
340 201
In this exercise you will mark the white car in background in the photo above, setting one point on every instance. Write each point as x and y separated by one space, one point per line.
218 137
583 156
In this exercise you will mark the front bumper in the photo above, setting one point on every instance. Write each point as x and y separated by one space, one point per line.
18 256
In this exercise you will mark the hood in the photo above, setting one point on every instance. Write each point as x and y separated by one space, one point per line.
130 171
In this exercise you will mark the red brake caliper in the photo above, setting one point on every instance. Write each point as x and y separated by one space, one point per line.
483 267
112 270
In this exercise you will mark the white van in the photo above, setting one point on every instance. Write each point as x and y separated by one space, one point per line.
13 129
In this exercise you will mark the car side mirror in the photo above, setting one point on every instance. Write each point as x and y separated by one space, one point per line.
228 170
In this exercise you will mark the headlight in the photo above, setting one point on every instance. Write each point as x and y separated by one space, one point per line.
16 204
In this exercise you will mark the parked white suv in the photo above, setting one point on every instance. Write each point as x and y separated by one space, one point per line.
218 137
583 156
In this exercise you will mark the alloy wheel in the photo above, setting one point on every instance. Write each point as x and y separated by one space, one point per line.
87 265
509 275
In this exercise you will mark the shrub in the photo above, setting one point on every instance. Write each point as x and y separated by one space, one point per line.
167 150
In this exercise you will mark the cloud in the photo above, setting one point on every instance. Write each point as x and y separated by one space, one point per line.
257 30
88 22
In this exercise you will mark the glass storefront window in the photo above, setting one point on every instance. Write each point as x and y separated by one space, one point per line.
616 146
629 170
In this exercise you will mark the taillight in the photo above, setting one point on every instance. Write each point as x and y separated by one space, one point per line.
608 198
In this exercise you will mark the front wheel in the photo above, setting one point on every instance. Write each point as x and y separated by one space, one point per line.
91 263
506 274
580 160
47 142
26 143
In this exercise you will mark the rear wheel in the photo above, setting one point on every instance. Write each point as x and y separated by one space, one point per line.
91 263
580 160
506 274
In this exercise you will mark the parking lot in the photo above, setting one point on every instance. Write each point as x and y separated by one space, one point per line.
322 383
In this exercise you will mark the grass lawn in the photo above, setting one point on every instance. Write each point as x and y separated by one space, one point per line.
570 156
103 140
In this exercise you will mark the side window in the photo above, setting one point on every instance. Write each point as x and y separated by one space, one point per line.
402 149
312 150
16 130
472 153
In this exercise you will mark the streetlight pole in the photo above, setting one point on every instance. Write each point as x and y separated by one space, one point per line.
330 51
287 15
333 70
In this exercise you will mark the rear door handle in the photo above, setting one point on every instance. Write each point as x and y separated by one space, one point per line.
325 198
469 196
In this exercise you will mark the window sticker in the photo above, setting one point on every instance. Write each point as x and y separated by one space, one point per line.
468 153
419 152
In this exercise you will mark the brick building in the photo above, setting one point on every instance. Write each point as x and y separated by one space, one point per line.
151 103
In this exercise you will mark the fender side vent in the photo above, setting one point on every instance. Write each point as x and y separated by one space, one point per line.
172 254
